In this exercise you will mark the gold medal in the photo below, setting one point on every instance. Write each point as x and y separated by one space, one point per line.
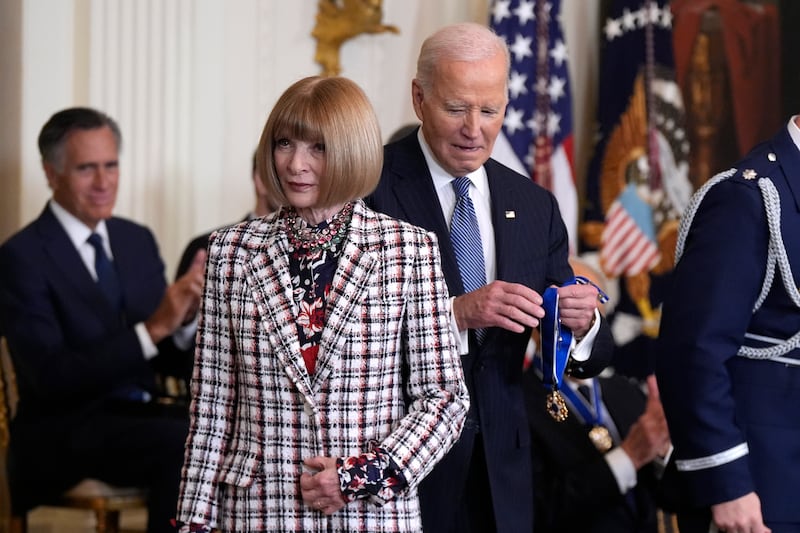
556 406
601 438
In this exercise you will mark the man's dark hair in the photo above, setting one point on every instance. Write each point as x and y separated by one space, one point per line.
55 130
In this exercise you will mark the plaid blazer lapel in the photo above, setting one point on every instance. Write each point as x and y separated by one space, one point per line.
348 291
267 270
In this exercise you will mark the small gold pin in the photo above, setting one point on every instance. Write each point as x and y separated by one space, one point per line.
511 214
772 157
749 174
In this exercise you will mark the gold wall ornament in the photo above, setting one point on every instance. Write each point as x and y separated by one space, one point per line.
340 20
626 164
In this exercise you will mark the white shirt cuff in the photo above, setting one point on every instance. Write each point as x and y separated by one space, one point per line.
184 335
462 337
622 468
580 351
149 348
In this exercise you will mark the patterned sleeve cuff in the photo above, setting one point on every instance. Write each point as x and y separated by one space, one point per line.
371 474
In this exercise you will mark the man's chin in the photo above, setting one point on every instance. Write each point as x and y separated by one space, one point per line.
471 158
465 167
103 214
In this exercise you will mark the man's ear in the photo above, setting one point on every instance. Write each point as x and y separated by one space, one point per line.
417 96
51 174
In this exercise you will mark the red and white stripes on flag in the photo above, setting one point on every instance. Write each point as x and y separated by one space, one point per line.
536 139
629 245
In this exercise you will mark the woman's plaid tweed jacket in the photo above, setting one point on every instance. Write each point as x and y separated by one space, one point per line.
387 373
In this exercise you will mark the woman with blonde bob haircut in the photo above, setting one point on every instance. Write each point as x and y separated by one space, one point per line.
326 383
336 112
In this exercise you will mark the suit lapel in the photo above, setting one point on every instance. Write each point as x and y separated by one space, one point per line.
128 250
267 271
126 258
622 401
506 219
785 172
68 263
348 290
417 195
418 199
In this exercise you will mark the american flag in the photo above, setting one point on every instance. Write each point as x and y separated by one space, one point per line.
536 139
637 183
629 236
637 42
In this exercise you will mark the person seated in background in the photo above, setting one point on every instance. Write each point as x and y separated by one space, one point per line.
86 311
263 207
598 470
177 385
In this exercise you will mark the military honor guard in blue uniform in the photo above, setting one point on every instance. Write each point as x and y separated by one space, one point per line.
728 362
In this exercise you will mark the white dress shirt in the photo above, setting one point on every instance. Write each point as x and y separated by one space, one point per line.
481 199
78 233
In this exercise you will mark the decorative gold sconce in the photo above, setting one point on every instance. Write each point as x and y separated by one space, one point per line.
340 20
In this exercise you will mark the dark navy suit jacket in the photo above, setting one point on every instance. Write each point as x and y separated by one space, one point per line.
531 249
576 489
70 349
715 400
195 245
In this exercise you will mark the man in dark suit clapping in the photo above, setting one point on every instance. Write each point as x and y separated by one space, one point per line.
87 311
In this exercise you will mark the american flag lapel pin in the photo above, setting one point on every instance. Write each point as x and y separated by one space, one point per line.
511 214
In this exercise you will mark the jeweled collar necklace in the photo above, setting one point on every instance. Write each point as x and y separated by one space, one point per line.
327 235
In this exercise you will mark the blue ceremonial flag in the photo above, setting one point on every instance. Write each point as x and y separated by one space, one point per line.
638 181
641 139
536 139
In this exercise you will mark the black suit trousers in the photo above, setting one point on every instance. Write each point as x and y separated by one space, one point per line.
125 445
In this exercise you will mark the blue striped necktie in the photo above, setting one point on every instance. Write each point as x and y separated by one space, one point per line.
107 278
466 238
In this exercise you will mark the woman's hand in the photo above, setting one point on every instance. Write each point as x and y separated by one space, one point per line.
321 489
